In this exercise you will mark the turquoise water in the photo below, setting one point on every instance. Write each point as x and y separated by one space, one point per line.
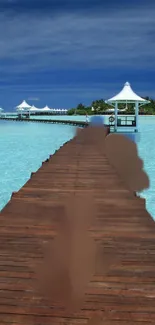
23 147
146 150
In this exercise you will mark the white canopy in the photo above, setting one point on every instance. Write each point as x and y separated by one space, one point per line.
23 105
127 95
46 108
33 108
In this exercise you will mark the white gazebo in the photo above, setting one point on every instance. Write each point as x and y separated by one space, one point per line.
45 109
34 108
127 95
23 106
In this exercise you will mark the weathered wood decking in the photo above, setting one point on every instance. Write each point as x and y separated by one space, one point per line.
126 295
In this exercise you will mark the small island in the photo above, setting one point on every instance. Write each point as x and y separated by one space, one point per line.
99 107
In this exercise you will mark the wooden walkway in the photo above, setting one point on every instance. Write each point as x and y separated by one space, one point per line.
50 120
126 294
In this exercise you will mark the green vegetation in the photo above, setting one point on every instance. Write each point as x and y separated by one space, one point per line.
100 107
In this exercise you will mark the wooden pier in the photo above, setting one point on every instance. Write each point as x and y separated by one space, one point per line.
52 121
126 294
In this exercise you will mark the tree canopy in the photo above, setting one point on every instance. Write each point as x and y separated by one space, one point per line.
99 107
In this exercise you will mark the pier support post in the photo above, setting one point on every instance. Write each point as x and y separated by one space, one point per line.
136 115
116 113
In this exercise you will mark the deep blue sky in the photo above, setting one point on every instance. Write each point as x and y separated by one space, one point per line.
63 52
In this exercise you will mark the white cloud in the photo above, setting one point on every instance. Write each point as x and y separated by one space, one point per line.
33 98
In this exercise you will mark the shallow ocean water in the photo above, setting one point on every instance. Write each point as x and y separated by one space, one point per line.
23 147
146 150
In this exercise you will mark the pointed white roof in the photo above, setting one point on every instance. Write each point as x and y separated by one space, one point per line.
46 108
23 105
33 108
127 94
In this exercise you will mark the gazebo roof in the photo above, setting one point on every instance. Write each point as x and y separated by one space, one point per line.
23 105
46 108
33 108
127 95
